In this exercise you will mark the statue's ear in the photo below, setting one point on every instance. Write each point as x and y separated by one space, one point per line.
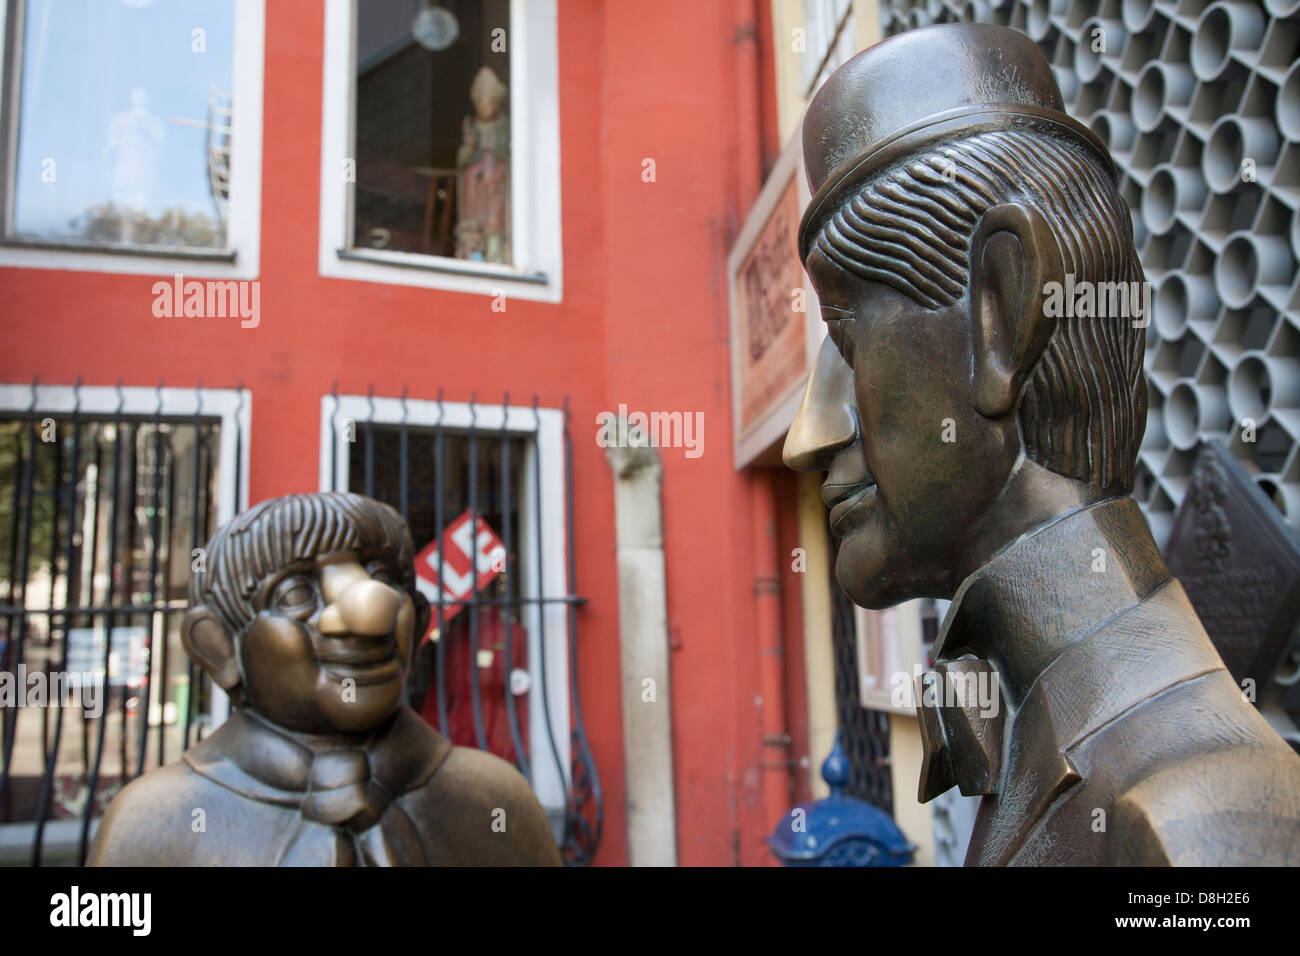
210 643
1014 255
423 613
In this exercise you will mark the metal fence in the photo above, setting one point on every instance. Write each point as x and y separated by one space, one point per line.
864 733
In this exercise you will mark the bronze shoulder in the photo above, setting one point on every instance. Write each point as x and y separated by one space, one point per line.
498 820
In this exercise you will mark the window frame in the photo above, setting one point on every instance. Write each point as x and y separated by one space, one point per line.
233 407
535 209
241 256
544 461
830 41
889 636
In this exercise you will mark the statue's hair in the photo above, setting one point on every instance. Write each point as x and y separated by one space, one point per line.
1083 409
277 532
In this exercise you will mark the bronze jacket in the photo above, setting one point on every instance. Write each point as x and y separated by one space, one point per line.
252 794
1123 739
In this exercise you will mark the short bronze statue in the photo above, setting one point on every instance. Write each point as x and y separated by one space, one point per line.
305 614
980 445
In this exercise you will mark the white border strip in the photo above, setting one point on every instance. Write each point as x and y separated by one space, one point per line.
103 400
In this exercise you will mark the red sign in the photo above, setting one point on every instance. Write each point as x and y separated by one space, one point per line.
459 578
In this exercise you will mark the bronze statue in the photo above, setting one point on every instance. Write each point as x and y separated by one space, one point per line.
305 612
980 445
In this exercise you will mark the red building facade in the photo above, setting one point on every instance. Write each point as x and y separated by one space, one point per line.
666 129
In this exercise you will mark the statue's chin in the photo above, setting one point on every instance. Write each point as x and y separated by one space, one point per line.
876 587
871 594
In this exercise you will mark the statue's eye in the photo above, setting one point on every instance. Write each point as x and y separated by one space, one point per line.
383 571
294 595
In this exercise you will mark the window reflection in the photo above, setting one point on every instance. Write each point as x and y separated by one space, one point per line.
125 114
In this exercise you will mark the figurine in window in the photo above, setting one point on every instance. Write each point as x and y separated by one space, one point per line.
483 160
305 612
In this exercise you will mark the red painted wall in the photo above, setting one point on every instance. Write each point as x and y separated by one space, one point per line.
643 322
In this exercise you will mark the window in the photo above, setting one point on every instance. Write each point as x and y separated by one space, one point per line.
132 127
440 145
830 40
104 495
495 671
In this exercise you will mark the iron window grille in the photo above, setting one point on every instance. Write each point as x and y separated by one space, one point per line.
105 493
864 733
510 466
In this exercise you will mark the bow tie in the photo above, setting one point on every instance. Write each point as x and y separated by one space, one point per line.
961 716
344 795
348 817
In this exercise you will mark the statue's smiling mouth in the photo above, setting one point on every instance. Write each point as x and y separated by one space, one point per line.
366 660
842 499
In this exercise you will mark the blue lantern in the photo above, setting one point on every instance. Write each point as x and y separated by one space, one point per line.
839 830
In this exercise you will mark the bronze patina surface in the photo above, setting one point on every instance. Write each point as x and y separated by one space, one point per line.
980 445
305 614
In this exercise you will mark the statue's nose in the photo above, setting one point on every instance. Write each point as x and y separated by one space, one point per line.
826 421
369 608
358 604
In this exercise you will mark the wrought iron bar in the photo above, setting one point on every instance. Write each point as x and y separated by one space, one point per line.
52 759
111 621
440 648
476 691
586 780
507 525
155 523
20 578
196 542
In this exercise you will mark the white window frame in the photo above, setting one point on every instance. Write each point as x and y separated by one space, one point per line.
232 407
826 22
536 273
889 651
241 257
544 461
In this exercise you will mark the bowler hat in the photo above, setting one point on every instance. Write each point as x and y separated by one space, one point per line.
919 88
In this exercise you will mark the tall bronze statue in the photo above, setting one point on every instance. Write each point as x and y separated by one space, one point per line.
979 441
305 614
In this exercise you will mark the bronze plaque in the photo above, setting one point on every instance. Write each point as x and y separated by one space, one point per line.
769 286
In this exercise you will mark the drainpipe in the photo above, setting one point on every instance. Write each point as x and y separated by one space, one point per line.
643 655
776 762
746 103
